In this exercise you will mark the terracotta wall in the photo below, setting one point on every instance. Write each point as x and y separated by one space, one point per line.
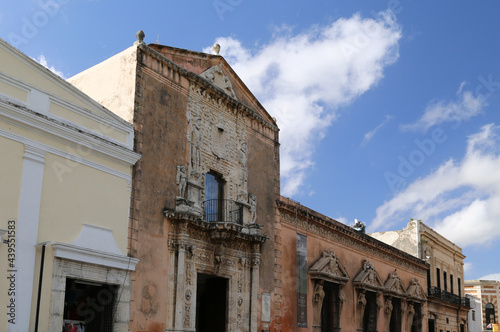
161 131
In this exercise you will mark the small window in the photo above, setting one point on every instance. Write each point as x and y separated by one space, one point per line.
438 278
451 283
473 315
214 196
445 278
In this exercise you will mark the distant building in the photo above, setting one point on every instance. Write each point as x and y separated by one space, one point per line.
447 305
474 317
65 193
488 291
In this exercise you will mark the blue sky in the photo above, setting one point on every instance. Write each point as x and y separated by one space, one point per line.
389 110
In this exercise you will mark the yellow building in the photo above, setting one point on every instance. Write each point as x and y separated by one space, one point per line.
66 180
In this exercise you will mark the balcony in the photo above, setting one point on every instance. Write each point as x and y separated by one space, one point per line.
449 297
222 210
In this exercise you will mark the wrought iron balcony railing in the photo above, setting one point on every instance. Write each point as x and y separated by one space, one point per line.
222 210
449 297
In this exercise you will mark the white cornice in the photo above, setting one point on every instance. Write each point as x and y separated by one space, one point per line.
56 79
81 254
65 133
64 154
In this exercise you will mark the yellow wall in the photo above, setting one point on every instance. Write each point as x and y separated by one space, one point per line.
11 164
84 196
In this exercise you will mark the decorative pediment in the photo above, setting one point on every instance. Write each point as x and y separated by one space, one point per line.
329 268
416 291
368 278
215 76
394 285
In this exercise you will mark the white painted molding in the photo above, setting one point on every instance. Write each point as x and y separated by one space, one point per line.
97 238
64 154
57 80
95 245
82 254
65 133
34 153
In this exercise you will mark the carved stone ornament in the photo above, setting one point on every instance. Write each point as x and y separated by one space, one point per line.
215 76
415 291
329 268
394 285
368 278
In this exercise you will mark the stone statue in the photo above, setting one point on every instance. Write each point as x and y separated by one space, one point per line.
182 180
411 313
342 300
318 296
243 164
361 304
388 313
194 140
253 208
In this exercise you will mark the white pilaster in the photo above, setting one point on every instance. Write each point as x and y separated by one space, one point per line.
27 233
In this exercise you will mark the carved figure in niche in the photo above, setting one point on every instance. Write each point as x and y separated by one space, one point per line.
243 164
388 313
194 144
342 300
333 265
388 306
411 313
361 304
380 304
182 180
318 296
253 208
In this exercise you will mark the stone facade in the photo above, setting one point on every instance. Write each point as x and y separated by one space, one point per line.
447 304
488 291
203 199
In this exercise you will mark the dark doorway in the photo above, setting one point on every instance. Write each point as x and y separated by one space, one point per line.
211 303
395 324
432 325
370 317
490 313
89 305
330 316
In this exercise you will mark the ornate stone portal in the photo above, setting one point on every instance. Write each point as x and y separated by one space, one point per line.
328 270
220 247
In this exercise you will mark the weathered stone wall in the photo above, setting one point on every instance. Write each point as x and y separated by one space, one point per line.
161 129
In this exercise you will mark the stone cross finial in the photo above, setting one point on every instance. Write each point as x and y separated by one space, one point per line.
140 37
216 49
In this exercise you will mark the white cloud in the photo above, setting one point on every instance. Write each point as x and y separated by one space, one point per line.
468 267
459 199
463 108
493 276
369 135
303 79
43 61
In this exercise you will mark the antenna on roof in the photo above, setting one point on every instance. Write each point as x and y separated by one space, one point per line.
158 39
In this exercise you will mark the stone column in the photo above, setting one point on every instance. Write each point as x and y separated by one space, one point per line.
179 292
254 287
27 234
